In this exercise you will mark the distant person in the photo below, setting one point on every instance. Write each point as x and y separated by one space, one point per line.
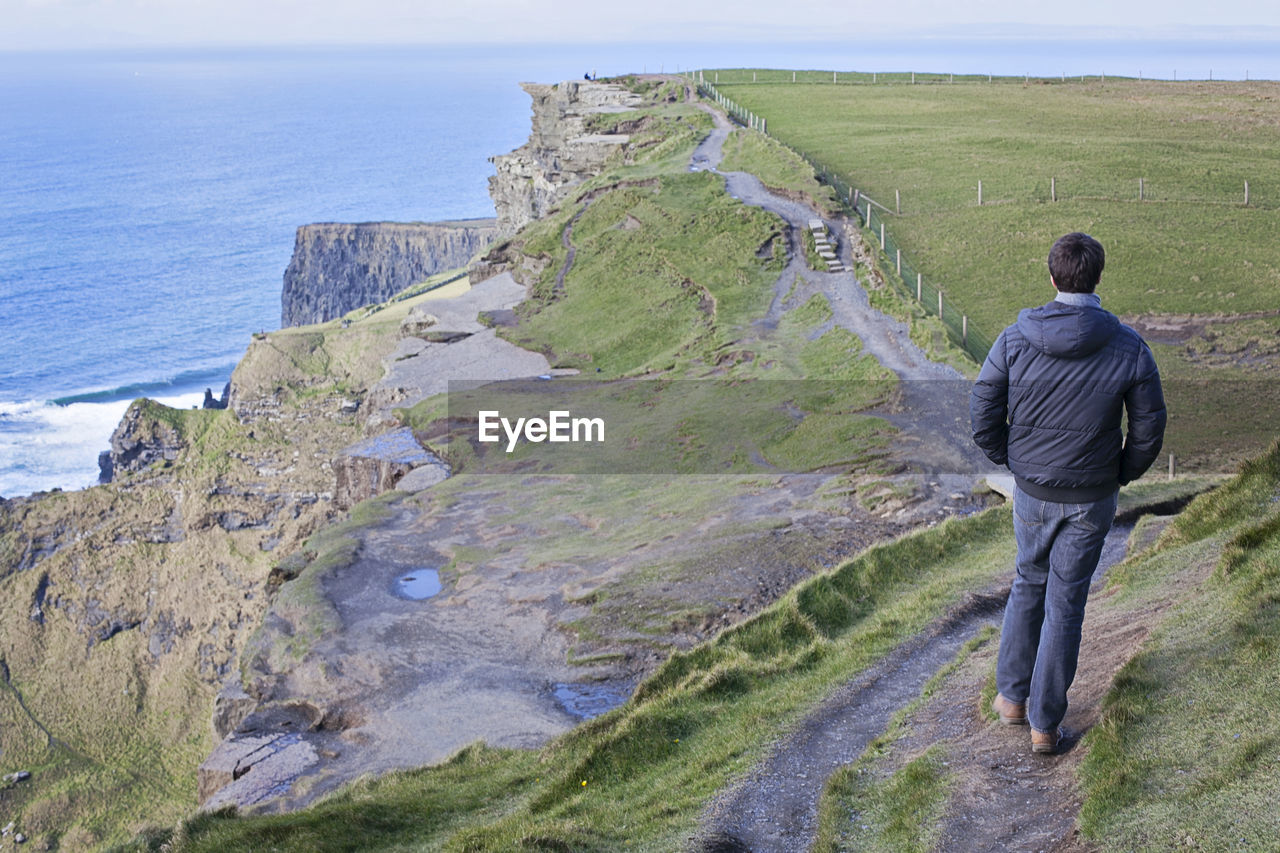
1048 404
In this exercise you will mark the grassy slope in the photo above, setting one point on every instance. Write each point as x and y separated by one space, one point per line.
1188 747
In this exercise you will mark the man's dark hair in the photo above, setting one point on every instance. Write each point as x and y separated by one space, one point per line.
1076 262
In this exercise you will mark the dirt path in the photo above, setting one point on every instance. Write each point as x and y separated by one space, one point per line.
566 239
934 396
775 807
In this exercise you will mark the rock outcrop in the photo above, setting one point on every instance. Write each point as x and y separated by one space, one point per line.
212 402
139 440
374 465
562 150
337 267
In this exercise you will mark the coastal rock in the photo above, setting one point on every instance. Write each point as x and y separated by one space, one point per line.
561 152
336 268
211 402
373 466
139 440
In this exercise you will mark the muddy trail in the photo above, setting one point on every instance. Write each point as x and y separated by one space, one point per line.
775 807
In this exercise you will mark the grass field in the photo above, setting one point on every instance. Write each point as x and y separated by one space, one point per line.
1190 263
1191 246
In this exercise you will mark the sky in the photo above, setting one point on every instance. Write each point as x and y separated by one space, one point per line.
77 24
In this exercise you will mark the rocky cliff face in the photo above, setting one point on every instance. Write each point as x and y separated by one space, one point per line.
337 267
562 151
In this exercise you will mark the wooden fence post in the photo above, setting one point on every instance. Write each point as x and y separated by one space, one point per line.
1053 189
881 228
979 193
833 76
897 198
939 303
793 76
919 287
1246 193
1140 191
913 78
964 330
874 76
1171 466
899 262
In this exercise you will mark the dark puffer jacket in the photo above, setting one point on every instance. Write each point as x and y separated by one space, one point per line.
1049 398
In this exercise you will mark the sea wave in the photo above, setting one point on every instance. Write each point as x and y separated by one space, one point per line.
46 445
179 384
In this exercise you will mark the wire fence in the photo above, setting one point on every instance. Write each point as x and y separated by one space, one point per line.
726 76
899 272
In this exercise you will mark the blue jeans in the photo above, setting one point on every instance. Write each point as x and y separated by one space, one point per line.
1058 549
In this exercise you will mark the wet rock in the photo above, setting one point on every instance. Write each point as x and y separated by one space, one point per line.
423 477
375 465
247 769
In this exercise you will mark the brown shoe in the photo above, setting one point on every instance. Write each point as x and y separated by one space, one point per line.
1046 743
1010 714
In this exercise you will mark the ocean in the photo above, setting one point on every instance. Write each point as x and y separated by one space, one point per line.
149 199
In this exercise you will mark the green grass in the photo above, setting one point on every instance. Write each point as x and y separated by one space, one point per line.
674 288
1192 248
897 814
691 727
778 168
1183 750
867 805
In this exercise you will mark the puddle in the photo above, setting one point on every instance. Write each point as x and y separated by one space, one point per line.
418 584
585 701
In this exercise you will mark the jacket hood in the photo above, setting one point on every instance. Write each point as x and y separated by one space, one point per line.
1067 331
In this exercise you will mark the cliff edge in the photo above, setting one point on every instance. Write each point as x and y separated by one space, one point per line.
562 150
338 267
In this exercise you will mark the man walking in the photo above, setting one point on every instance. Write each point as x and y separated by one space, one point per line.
1048 404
